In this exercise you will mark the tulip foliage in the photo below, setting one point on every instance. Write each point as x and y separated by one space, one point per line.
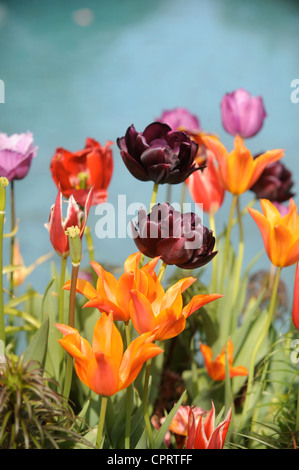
180 345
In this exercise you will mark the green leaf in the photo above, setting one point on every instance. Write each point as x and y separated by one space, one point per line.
163 429
37 348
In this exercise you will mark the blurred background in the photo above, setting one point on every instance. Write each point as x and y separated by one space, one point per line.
77 69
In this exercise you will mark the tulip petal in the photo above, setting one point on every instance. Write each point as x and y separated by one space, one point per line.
141 313
197 302
82 287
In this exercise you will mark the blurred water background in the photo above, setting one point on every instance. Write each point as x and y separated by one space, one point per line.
78 68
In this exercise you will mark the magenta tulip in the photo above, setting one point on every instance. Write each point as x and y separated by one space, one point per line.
242 114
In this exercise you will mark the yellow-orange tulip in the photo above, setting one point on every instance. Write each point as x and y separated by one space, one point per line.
114 295
280 232
166 313
238 169
216 367
104 367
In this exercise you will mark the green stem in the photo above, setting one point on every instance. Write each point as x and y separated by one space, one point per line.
12 240
145 407
128 396
240 254
61 290
168 193
90 248
162 271
2 323
152 203
227 239
71 322
214 260
258 344
183 194
101 421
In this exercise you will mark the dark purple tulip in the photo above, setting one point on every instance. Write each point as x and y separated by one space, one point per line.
158 154
275 183
177 238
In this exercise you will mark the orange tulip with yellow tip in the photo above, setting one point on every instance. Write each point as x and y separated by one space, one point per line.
114 295
216 367
280 232
104 367
238 169
166 313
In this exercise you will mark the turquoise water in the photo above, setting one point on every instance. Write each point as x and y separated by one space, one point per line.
70 74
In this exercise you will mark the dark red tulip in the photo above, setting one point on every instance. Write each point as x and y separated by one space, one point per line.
179 239
158 154
275 183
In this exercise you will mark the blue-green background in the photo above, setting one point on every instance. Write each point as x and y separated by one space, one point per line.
133 60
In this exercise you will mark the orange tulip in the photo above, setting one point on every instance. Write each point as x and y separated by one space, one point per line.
238 169
114 295
216 368
295 310
166 312
104 367
280 232
206 188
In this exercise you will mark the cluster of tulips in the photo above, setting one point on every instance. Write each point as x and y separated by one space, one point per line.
136 317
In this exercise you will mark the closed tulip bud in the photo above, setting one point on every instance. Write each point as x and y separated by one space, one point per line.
242 114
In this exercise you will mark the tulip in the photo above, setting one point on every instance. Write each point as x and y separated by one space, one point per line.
179 423
103 366
112 295
158 153
205 435
75 173
16 154
206 188
177 238
242 113
239 170
165 314
180 119
295 310
57 225
280 232
216 367
275 183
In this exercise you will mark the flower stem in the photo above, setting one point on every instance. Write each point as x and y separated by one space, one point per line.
258 344
90 248
227 239
61 290
214 260
71 322
101 421
240 253
152 203
12 240
2 324
162 271
3 184
128 395
145 407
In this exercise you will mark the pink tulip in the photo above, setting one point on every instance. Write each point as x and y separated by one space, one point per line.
295 313
180 119
16 154
242 114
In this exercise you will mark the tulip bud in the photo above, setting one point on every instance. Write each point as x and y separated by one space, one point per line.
74 243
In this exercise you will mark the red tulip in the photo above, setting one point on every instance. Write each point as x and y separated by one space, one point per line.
75 173
57 225
205 435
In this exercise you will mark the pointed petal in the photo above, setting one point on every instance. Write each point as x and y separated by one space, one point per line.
141 313
197 302
82 287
